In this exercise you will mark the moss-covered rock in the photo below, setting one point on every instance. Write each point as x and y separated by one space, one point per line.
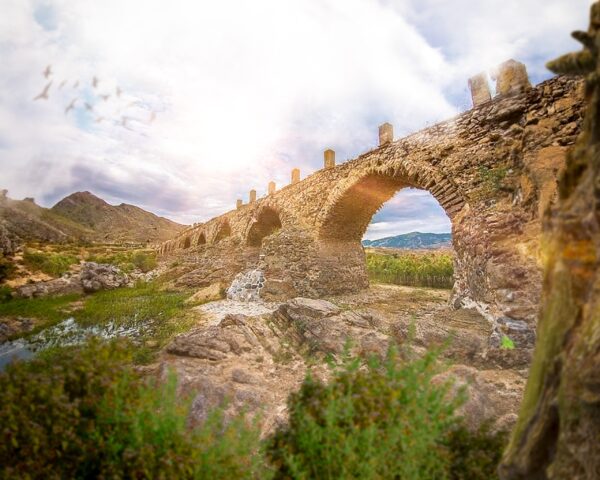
558 432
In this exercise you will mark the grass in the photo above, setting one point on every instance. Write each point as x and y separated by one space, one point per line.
53 264
422 269
47 310
128 260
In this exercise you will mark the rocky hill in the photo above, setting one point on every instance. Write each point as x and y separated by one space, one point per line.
413 241
82 217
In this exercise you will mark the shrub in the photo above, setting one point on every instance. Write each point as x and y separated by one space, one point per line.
381 420
145 261
84 413
7 268
54 264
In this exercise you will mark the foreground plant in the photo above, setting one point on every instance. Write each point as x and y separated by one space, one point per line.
381 420
84 413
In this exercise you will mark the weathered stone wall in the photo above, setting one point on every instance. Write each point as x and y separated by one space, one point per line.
493 169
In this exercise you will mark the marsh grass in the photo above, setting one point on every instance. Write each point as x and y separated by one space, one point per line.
422 269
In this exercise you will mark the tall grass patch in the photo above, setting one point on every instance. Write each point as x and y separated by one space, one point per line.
418 269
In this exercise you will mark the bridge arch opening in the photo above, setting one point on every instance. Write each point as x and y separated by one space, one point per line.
223 232
351 211
187 243
201 239
266 223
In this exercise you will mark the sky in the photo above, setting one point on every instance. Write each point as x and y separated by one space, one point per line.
218 98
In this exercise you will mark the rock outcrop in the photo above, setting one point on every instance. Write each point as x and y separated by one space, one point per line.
92 278
253 361
557 435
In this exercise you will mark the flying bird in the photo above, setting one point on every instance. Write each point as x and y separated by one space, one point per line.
88 107
71 106
118 91
62 84
48 71
105 97
44 94
95 82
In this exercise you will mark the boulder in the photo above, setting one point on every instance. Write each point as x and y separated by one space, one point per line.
207 294
99 276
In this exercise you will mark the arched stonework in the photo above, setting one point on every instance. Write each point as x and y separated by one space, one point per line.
201 239
187 242
224 231
264 224
493 169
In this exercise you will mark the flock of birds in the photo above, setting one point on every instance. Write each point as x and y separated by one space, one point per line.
44 95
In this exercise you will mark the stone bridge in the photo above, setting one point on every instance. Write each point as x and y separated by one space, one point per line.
493 169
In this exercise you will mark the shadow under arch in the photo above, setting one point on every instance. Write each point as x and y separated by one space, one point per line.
201 239
224 231
187 243
265 223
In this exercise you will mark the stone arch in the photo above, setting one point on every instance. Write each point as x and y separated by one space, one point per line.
201 239
187 242
224 231
265 223
353 202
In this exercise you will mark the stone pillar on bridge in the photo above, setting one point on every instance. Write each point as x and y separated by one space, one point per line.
295 175
272 188
386 133
238 203
252 198
511 77
329 158
480 90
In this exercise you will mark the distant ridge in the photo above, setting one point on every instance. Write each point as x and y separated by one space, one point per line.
82 216
413 241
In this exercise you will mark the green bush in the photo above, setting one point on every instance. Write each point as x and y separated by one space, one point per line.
427 269
127 260
7 268
145 261
84 413
54 264
381 420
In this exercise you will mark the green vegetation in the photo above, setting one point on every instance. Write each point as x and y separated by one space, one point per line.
491 180
54 264
154 313
84 413
7 268
144 260
426 269
381 420
507 343
47 310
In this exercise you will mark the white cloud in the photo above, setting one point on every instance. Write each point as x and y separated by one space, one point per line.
244 91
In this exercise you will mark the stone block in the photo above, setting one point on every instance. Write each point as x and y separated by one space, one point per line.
480 90
295 175
238 203
252 197
272 188
329 158
511 77
386 133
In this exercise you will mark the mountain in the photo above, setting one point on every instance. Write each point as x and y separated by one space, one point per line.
413 241
83 217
